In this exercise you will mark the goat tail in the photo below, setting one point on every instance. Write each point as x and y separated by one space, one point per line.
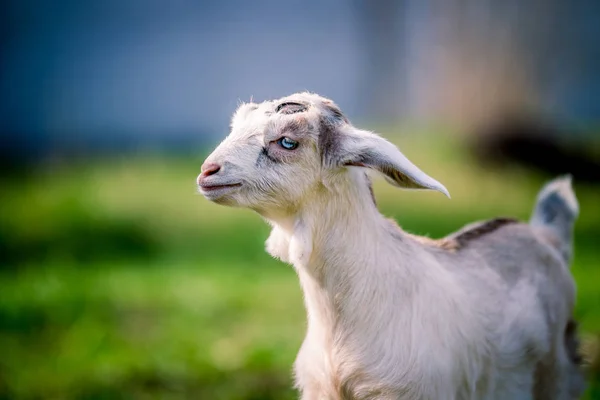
555 212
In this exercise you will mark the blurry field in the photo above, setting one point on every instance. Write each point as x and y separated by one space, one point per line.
118 281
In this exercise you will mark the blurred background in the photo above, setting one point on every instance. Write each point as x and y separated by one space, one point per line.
118 281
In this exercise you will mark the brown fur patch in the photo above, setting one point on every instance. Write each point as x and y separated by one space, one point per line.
290 107
469 233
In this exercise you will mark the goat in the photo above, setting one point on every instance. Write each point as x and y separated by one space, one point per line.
485 313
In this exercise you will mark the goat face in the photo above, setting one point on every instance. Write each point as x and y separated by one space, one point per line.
279 152
270 158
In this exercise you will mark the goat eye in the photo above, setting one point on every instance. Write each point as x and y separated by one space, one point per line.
287 143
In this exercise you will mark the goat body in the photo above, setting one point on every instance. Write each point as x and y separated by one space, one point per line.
481 314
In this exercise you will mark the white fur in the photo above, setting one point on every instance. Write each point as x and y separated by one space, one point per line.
390 316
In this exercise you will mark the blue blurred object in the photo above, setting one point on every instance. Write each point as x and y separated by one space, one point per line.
106 75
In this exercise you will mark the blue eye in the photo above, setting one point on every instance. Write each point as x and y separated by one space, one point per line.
287 143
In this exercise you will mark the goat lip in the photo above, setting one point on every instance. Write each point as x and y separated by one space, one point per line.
209 187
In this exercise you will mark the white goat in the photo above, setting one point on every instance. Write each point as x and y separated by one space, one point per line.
482 314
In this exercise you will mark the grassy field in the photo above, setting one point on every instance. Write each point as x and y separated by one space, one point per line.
118 281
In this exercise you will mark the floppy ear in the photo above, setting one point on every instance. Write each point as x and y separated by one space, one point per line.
352 147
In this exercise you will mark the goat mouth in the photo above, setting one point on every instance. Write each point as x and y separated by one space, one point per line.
214 192
210 188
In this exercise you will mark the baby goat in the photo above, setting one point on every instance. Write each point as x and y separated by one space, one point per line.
482 314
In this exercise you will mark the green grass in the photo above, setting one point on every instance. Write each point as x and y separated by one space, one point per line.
150 331
118 281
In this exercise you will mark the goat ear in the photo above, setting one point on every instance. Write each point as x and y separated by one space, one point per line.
356 148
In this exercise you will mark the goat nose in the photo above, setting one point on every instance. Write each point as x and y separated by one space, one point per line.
208 169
